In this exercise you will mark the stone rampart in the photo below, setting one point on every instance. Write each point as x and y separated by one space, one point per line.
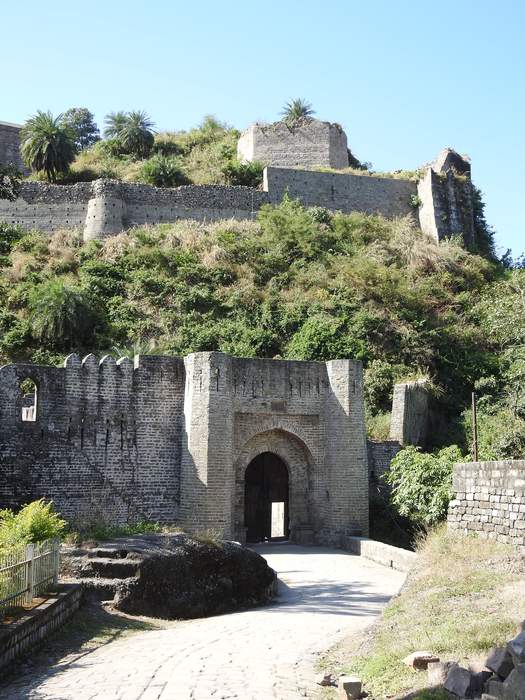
489 500
302 144
168 439
106 207
342 191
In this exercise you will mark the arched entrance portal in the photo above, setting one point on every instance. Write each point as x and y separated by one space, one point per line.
266 498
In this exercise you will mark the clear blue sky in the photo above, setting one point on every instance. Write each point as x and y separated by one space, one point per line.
404 78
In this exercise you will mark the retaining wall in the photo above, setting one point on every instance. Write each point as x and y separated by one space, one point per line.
489 500
29 631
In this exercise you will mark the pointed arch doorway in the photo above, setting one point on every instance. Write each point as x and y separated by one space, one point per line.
266 498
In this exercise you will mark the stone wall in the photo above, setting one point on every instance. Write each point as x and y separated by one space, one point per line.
410 413
26 633
446 201
106 207
168 439
489 500
380 454
10 146
342 191
305 143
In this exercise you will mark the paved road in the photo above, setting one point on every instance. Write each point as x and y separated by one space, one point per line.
259 654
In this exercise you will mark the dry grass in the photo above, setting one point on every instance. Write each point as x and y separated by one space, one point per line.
463 597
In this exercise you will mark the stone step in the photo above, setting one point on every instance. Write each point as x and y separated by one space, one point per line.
97 588
109 568
107 553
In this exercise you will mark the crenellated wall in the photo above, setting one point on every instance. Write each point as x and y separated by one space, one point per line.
169 439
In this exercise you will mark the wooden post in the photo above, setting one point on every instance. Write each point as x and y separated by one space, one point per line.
474 429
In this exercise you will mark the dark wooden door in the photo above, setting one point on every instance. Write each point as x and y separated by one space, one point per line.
266 482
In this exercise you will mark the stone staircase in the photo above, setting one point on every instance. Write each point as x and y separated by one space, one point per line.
101 569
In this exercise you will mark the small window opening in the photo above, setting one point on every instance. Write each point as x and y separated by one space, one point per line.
29 399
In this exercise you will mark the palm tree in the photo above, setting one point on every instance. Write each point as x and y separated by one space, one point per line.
62 316
136 135
297 109
114 122
46 144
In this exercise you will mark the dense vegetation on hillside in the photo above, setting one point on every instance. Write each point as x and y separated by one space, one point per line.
298 283
131 151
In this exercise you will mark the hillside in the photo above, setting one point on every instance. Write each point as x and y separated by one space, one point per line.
296 283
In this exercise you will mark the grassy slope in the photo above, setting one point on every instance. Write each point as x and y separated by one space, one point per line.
464 597
295 283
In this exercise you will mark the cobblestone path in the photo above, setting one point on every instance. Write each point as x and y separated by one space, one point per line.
259 654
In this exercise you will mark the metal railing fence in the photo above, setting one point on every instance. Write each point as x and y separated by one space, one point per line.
26 571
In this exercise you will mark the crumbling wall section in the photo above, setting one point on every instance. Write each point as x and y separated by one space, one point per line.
410 413
303 144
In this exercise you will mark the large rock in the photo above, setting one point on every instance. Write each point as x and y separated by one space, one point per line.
500 661
516 648
465 683
514 685
182 577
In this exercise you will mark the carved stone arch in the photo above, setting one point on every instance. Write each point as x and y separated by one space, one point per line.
299 462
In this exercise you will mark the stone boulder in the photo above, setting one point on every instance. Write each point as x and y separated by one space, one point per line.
182 577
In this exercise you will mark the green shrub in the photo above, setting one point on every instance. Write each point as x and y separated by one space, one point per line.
422 483
9 236
62 316
35 522
248 174
163 171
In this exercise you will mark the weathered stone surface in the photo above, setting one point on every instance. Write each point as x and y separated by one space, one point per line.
494 688
516 647
170 439
437 672
500 661
305 143
489 501
514 684
461 682
349 687
180 577
419 660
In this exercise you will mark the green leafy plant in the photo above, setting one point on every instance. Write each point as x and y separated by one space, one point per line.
62 316
47 145
35 522
422 483
81 122
248 174
297 109
163 171
133 131
10 183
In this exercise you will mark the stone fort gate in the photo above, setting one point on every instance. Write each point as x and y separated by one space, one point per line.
251 448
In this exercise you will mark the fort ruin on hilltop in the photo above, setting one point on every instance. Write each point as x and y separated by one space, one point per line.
441 202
